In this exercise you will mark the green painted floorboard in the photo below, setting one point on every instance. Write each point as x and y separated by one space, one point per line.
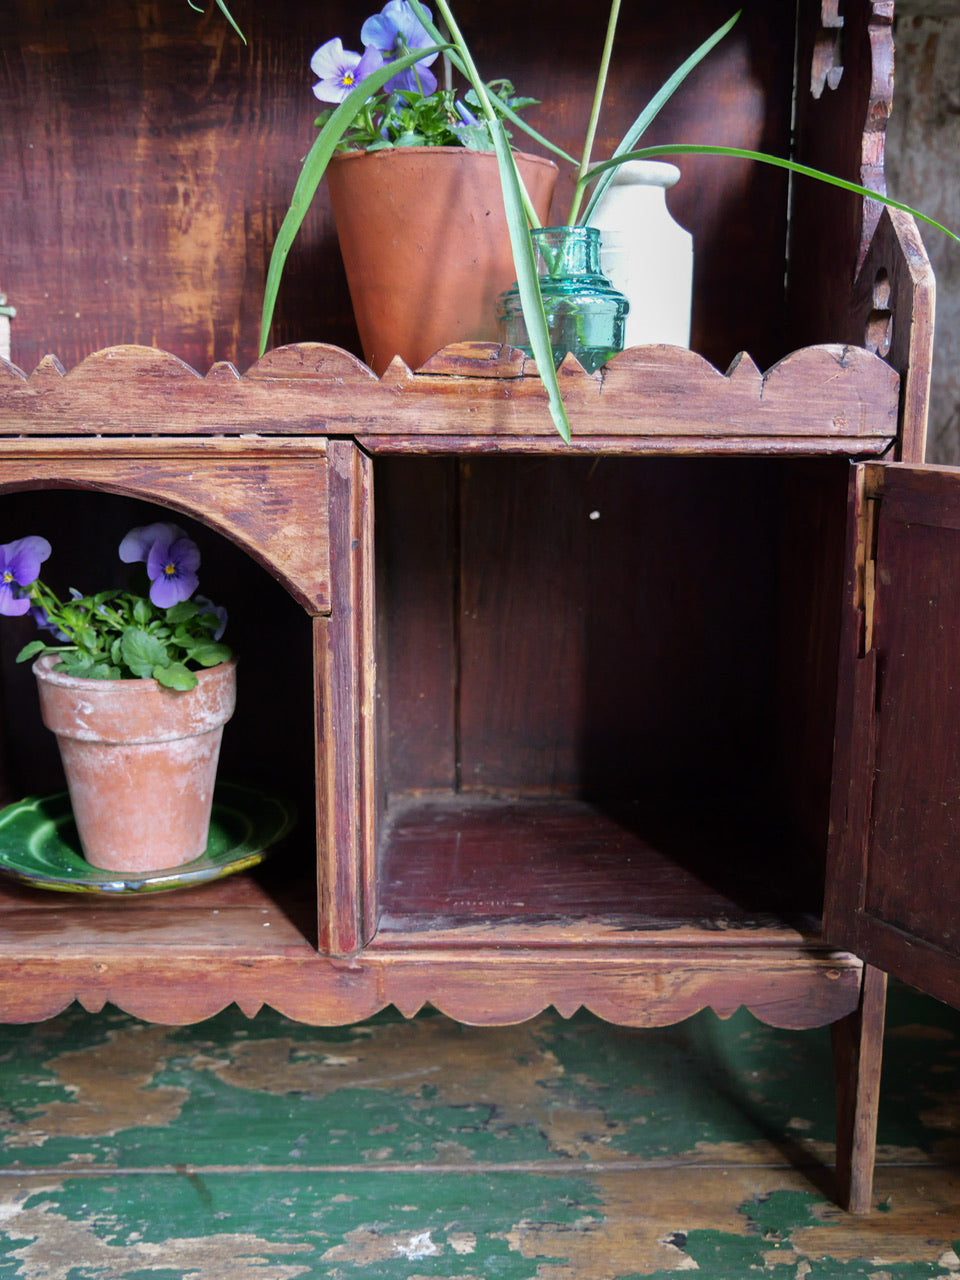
555 1150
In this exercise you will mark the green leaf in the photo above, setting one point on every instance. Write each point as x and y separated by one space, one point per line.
221 5
314 167
518 211
142 612
142 652
692 148
31 650
209 655
82 664
648 114
182 612
174 676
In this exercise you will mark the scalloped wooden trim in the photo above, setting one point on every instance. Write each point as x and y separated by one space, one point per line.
791 988
822 392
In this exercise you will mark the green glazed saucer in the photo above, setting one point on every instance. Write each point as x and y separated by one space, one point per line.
39 844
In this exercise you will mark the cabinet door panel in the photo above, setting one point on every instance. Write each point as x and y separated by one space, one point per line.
894 880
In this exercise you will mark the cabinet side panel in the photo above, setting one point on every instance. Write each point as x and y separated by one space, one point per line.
811 572
895 896
416 502
345 678
916 816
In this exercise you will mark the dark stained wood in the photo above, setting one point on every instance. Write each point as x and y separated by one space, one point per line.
893 314
255 492
344 692
810 566
610 646
844 91
151 218
831 393
417 627
903 804
579 871
858 1055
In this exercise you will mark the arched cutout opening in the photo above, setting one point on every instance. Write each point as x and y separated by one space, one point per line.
269 743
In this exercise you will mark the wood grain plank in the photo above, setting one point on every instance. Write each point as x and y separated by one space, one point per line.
824 392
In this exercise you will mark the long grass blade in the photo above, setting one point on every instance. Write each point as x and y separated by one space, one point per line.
697 149
222 6
516 204
313 169
434 32
648 115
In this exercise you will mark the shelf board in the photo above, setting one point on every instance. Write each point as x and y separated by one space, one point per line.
547 872
254 913
831 398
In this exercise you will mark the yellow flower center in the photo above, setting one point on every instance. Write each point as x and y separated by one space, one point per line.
348 77
7 575
169 568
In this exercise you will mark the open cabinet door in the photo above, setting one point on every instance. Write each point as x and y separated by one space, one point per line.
893 879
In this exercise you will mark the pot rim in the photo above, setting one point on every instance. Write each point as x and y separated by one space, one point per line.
43 669
435 151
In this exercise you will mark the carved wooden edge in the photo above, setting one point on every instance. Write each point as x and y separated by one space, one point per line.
827 60
829 390
794 991
251 492
892 314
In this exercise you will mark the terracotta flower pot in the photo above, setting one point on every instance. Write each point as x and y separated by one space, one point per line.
140 761
425 244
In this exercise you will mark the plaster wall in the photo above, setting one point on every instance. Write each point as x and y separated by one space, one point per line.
923 168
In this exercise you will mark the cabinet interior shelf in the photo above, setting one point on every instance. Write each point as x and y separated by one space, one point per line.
548 871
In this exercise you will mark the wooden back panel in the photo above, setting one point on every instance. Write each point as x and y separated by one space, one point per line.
149 214
604 626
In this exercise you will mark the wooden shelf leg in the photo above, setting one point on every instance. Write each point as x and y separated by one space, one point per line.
857 1058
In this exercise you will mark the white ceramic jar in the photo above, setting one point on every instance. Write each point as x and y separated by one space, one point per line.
646 254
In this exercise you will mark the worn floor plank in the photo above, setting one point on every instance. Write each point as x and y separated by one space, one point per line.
554 1150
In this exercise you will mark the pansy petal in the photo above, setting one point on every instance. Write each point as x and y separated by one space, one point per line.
371 61
22 559
378 32
406 22
11 605
328 59
424 81
165 591
168 559
137 543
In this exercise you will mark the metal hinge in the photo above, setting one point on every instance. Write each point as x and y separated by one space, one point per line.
6 314
867 578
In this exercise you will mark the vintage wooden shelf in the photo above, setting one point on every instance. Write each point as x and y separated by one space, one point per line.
649 723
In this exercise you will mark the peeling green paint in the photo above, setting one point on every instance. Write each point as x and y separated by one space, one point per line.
266 1150
391 1226
704 1080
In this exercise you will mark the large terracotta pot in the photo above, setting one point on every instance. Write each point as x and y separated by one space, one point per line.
140 760
425 244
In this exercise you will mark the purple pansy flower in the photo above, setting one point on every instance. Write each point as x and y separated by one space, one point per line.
138 542
41 618
340 70
172 568
20 563
465 114
172 561
218 611
397 30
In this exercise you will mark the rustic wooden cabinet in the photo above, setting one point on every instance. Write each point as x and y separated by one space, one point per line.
652 722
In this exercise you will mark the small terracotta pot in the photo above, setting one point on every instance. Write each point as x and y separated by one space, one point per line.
425 244
140 760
